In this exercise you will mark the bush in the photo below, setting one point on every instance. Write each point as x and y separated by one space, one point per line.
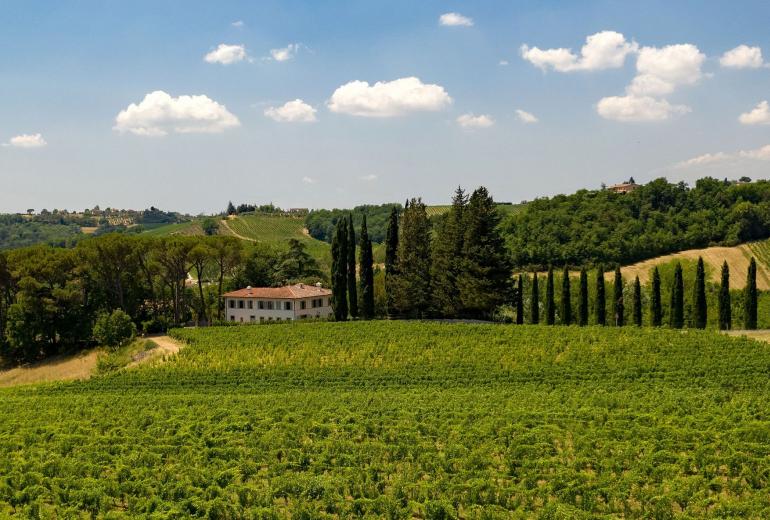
114 330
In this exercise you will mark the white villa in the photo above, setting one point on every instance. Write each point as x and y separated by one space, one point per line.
291 302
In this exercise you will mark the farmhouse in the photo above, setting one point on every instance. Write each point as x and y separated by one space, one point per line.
624 187
291 302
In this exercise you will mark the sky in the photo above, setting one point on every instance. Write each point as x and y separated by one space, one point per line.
185 105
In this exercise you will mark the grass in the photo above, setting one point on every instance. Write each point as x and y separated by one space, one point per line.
121 357
402 420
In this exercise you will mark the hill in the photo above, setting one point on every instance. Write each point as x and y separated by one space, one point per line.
402 419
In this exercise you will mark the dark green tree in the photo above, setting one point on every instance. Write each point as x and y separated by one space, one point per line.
391 259
550 305
699 296
520 301
366 275
750 298
296 265
447 258
725 310
618 307
340 271
230 208
676 319
534 303
656 308
601 303
566 298
583 298
352 285
411 282
637 310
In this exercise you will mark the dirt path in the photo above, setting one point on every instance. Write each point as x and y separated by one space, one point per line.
236 235
167 346
759 335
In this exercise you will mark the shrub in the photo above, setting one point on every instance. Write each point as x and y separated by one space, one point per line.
114 330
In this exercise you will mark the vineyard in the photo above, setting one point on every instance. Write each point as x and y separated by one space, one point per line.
399 420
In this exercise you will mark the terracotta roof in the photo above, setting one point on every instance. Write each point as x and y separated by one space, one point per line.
286 292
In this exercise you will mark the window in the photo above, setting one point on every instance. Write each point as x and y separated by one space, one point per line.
329 302
252 318
314 303
232 318
240 304
232 304
287 306
251 304
302 305
261 304
261 319
241 319
270 306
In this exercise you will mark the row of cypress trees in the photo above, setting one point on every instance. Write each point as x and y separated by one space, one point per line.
676 318
346 299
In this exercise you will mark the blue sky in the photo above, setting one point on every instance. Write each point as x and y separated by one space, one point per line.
655 94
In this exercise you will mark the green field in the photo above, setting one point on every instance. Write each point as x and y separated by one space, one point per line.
402 420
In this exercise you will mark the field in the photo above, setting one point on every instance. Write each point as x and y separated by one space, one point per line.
400 420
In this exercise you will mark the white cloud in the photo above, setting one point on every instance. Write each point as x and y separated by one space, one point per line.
455 20
603 50
296 111
759 116
388 98
503 63
633 108
742 57
525 117
661 70
285 53
238 24
701 160
159 113
761 154
27 141
226 54
308 180
368 178
471 121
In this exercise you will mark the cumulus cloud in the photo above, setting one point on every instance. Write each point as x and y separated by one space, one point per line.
526 117
729 163
159 113
368 178
759 116
388 98
471 121
661 70
760 154
286 53
701 160
455 20
603 50
742 57
226 54
296 111
503 63
638 109
308 180
27 141
238 24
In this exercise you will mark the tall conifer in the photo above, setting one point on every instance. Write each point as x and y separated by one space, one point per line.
676 319
391 257
750 298
725 309
656 308
412 279
352 286
520 301
699 296
534 304
583 298
618 307
566 298
550 306
601 303
637 310
340 271
446 258
366 275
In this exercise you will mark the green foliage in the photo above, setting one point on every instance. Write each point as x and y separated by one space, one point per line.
351 269
583 309
296 265
520 301
385 419
566 300
114 330
699 296
411 281
446 258
321 223
676 316
637 308
750 297
618 306
656 307
550 304
391 259
534 304
366 278
725 310
339 273
601 302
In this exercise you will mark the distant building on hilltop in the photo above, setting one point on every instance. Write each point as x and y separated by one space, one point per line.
291 302
624 187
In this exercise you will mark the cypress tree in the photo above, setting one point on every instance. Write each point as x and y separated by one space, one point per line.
534 307
446 258
750 298
550 307
601 304
352 291
366 275
725 310
656 309
340 271
391 252
618 306
637 303
676 320
520 301
699 296
412 279
566 298
583 299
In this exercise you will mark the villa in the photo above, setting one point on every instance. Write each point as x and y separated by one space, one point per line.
291 302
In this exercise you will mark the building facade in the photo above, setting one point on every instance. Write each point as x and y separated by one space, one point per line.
291 302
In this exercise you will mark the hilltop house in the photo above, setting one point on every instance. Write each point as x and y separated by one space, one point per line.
624 187
291 302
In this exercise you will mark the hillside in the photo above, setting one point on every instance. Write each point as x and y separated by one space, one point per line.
402 420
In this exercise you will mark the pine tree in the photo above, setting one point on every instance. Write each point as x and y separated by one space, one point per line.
340 271
601 304
637 303
750 298
230 208
484 282
446 257
699 296
656 308
520 301
352 285
550 306
618 307
725 309
534 304
583 298
366 275
676 320
566 298
412 279
391 257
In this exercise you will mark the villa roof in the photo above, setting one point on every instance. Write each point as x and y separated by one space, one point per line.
289 292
